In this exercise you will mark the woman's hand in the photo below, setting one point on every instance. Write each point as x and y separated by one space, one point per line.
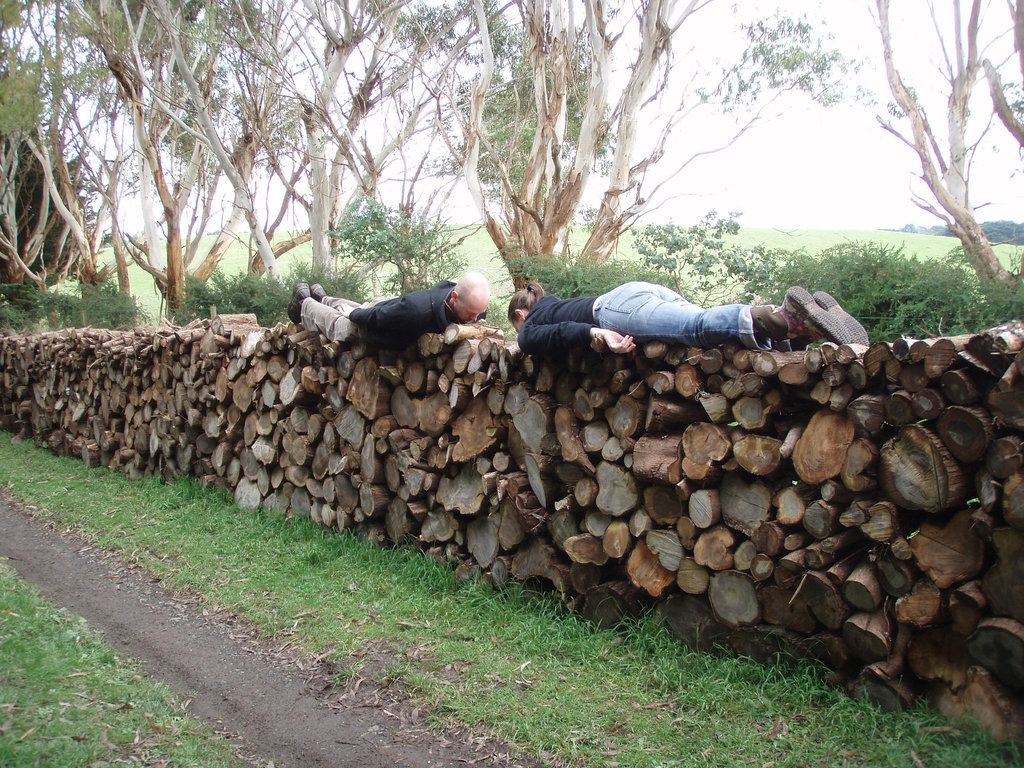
611 340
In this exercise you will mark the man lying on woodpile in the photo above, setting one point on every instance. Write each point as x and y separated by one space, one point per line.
639 312
392 323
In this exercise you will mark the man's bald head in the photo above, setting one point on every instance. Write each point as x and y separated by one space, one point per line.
470 296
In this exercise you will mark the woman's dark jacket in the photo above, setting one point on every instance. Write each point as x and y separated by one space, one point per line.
554 325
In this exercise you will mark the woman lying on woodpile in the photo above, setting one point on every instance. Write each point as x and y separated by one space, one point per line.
639 312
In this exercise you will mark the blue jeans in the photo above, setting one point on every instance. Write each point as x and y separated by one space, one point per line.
648 311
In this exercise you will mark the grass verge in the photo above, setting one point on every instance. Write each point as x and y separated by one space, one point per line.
66 699
507 663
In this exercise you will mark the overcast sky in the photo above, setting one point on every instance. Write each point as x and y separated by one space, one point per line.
837 168
823 168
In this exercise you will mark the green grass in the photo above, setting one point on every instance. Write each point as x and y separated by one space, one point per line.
926 247
520 668
66 699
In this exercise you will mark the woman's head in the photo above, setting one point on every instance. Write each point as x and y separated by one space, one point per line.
522 302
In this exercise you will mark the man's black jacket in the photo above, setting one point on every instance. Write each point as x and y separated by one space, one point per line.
397 323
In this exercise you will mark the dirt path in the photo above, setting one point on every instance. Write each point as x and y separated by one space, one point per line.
283 706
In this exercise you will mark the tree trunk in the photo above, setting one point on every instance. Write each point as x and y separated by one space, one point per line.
946 174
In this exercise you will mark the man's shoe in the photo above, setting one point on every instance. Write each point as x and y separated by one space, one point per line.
809 321
295 305
854 328
317 292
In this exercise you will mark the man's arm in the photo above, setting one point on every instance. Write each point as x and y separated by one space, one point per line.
391 316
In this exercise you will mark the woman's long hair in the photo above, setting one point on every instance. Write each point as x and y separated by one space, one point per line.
525 298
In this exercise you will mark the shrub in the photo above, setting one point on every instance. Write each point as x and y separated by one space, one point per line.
345 281
696 261
23 306
230 294
19 306
1002 301
261 295
104 306
891 293
578 276
413 252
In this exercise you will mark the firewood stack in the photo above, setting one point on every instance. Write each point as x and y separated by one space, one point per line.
861 505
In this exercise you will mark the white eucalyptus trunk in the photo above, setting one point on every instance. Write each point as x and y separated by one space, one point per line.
1010 119
474 132
320 204
540 210
236 167
76 227
656 34
323 171
147 194
9 235
946 173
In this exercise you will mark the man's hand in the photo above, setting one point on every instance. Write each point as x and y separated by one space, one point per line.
602 338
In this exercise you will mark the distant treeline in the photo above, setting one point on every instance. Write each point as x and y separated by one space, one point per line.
998 232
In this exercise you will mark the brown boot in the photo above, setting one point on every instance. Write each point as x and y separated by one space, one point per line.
802 318
853 327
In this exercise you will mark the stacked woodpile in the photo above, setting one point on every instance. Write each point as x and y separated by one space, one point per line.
861 505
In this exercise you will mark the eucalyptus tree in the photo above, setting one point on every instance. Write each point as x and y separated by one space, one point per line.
109 177
48 212
33 245
259 57
946 147
364 107
568 96
256 121
176 170
21 235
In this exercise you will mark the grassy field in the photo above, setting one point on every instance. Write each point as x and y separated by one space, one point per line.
66 699
508 663
479 253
